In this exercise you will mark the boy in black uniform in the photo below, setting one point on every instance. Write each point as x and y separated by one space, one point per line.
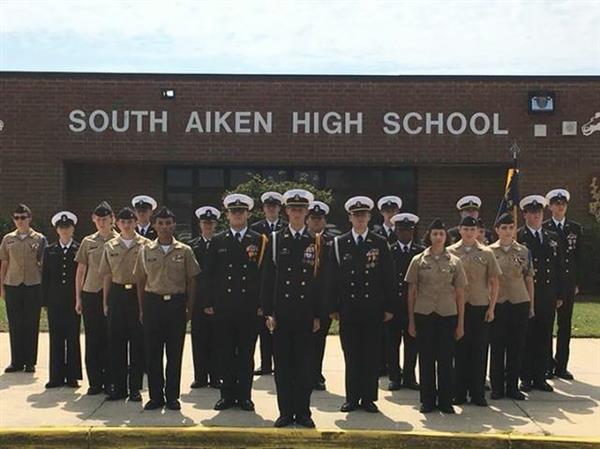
570 234
271 204
403 250
362 293
58 287
548 263
204 339
144 206
232 268
290 295
316 221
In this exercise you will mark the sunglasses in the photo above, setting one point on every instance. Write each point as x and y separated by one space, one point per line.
20 217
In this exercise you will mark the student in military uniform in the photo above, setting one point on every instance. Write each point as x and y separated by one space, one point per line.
165 271
403 251
125 333
570 234
388 206
271 204
291 292
232 273
469 206
362 294
513 308
204 332
316 221
436 280
548 265
144 205
21 253
481 294
58 287
89 300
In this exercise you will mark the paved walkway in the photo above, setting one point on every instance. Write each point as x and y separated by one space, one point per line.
572 410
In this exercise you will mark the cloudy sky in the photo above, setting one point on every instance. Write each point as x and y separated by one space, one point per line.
512 37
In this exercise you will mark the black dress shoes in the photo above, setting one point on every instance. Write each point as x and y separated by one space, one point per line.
394 386
411 385
199 384
224 404
349 407
154 405
369 407
543 386
564 374
516 395
13 368
54 384
283 421
305 421
173 405
93 391
29 369
72 383
426 408
135 396
447 409
247 405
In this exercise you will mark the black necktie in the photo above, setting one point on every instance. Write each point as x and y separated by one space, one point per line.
405 248
142 232
359 240
538 237
272 227
238 236
560 227
297 236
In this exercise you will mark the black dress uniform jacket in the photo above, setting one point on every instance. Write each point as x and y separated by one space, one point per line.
263 227
150 232
380 230
58 295
549 286
362 283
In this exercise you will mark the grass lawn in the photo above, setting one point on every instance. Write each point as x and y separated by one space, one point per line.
586 318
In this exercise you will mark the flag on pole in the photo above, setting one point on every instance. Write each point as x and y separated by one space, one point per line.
510 201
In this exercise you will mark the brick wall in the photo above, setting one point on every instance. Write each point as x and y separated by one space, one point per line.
36 144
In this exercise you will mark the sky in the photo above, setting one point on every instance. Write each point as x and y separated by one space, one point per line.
469 37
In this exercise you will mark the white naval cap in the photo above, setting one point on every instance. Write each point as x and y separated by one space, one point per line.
358 204
389 201
271 197
405 219
468 201
297 197
207 213
64 217
558 195
238 201
144 201
318 208
532 202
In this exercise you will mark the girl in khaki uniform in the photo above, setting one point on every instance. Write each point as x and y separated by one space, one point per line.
21 254
513 308
481 293
436 315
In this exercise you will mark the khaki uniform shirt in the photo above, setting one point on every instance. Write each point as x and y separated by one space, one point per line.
166 273
516 265
24 257
119 261
480 266
90 254
436 278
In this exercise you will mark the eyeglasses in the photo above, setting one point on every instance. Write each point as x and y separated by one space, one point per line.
20 217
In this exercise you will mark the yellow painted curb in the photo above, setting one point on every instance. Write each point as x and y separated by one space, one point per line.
226 438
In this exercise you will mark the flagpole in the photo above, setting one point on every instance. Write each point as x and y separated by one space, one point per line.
514 150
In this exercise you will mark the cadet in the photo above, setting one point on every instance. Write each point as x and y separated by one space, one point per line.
144 206
232 268
513 308
469 206
403 250
58 287
388 207
89 300
481 294
316 221
204 337
271 204
125 333
548 266
570 234
166 271
290 295
21 254
362 294
436 280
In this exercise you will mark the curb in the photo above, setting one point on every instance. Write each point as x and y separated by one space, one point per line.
226 438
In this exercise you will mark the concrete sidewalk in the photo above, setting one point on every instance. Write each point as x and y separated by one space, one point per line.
572 410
